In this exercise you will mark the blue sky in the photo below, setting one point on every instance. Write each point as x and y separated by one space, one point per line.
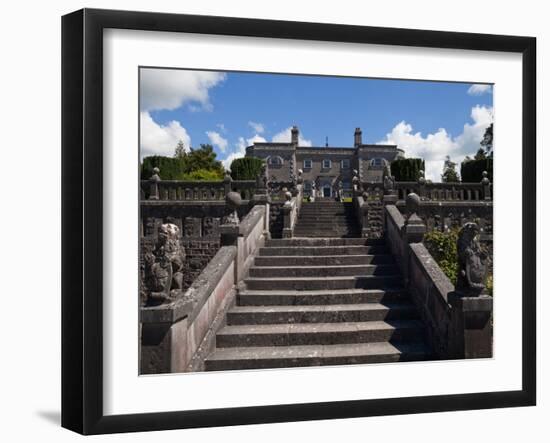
231 110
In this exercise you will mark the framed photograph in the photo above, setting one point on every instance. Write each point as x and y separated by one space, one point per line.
269 221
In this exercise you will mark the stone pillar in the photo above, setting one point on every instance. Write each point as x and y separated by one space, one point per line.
486 185
288 227
262 197
422 186
364 214
471 324
471 335
413 231
154 189
227 183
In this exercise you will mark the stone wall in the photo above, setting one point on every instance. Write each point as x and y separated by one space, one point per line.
200 226
175 337
457 326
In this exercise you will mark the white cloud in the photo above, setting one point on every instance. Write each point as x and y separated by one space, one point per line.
478 89
158 139
239 152
433 148
221 127
259 128
255 139
172 88
284 137
217 140
240 148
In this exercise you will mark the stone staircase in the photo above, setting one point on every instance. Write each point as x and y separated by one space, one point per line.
327 219
314 302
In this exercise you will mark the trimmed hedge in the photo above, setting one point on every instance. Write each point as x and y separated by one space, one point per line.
407 169
170 168
246 168
471 171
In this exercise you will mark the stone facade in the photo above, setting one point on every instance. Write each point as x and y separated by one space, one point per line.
326 170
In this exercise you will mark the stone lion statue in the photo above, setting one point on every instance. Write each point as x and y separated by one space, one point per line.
472 261
163 273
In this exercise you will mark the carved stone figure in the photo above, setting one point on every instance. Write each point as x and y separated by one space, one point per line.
233 201
388 184
472 261
163 266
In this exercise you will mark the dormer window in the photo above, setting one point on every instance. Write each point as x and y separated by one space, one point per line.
327 164
344 164
308 164
275 161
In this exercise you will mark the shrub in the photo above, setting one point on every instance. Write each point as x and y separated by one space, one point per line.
407 169
246 168
170 167
471 170
202 175
442 247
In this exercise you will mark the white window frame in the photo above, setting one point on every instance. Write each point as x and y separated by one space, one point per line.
310 163
329 163
345 160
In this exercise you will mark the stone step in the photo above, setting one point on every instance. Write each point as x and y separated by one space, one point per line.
323 260
243 315
274 297
314 355
327 234
318 333
325 242
328 220
322 217
316 283
318 233
322 271
305 251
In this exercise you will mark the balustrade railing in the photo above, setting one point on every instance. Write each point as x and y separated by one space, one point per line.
446 191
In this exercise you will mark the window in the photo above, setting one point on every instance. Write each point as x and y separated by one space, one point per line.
377 162
307 164
307 186
275 161
345 163
327 163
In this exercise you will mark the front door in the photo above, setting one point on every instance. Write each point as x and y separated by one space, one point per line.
327 191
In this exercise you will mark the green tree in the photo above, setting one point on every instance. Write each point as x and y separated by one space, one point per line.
480 155
180 151
407 169
487 141
197 164
202 158
246 168
449 171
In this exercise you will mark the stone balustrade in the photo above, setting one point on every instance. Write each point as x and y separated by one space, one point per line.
291 210
458 326
445 191
176 336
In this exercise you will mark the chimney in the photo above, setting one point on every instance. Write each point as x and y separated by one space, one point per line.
294 135
358 137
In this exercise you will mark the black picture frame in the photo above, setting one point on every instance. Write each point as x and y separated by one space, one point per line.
82 218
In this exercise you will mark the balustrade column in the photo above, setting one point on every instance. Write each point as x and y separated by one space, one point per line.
154 187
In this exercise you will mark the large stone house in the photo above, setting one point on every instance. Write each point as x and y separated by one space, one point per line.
325 169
